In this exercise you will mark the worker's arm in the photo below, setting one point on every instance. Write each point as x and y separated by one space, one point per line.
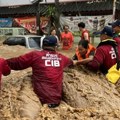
5 68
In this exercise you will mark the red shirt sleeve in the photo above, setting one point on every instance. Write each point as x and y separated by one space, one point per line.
117 39
21 62
94 65
67 62
5 68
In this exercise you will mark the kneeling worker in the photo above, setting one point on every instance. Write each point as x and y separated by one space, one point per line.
84 51
106 56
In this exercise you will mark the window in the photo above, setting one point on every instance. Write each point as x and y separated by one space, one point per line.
34 42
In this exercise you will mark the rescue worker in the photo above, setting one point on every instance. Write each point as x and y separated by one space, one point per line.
66 38
85 35
47 68
105 55
84 50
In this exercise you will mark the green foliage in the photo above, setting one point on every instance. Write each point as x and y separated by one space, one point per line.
76 33
50 11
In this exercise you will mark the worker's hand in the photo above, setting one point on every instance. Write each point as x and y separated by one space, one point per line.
75 62
83 62
79 62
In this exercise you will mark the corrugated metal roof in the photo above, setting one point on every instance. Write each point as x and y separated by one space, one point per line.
83 6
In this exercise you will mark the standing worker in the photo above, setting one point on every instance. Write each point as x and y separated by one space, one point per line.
66 38
85 35
47 68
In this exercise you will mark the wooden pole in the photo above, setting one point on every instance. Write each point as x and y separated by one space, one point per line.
39 32
38 18
57 22
114 9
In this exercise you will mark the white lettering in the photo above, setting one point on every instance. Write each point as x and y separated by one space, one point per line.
54 63
47 63
112 52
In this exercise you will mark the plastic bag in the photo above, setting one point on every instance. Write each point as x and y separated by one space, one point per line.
113 74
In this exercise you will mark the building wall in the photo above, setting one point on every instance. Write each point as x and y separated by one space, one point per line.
25 2
52 1
14 2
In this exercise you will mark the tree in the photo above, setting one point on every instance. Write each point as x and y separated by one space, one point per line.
54 15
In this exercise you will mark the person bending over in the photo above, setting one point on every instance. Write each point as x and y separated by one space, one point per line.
84 51
47 71
105 56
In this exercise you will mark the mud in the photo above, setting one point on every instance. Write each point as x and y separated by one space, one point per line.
86 95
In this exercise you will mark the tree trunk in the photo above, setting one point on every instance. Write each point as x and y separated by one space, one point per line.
57 18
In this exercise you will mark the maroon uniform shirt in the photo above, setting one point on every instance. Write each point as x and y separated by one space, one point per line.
117 39
104 58
47 68
4 69
82 35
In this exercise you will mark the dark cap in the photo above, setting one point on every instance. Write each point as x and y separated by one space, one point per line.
50 41
114 24
107 31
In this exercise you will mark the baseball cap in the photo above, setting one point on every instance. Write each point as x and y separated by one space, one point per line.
107 31
50 41
114 24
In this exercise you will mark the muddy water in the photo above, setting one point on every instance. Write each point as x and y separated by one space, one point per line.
86 95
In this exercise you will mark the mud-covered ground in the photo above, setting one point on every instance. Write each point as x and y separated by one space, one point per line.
86 95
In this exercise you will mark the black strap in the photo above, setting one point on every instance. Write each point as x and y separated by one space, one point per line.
114 45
